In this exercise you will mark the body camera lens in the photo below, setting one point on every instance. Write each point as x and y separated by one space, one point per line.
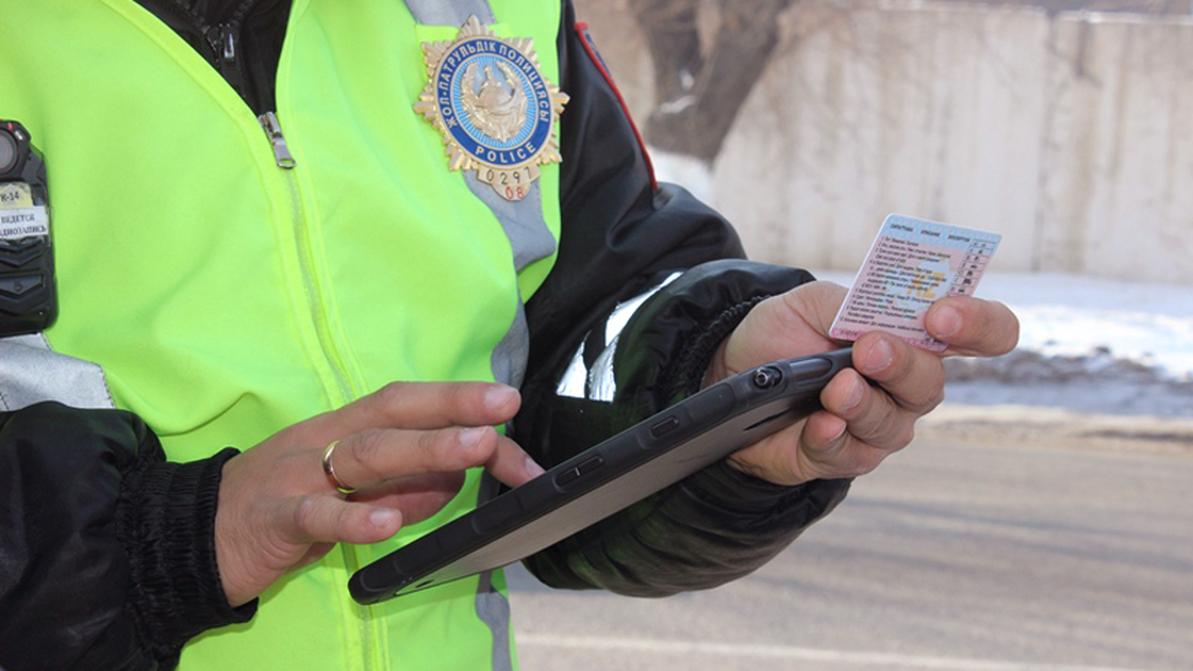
8 152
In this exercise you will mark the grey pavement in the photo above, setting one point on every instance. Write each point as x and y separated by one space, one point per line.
997 550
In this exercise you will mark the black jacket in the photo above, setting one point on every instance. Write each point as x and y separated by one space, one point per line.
107 551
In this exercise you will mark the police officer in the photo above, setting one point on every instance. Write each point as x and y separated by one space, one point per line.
264 214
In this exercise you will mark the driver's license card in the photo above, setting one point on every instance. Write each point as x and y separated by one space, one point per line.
912 263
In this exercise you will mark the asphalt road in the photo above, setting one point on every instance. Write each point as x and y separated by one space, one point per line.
998 547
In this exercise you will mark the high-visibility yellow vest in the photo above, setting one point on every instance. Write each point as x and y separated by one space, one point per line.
226 297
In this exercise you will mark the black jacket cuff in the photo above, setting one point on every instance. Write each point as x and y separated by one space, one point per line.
665 349
166 522
686 376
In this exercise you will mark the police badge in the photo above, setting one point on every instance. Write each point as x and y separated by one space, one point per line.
494 108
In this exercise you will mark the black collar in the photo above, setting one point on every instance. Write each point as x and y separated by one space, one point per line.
242 39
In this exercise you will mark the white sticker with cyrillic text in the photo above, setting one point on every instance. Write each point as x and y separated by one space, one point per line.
24 222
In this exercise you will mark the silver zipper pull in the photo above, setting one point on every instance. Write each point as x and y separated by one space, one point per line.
229 45
273 130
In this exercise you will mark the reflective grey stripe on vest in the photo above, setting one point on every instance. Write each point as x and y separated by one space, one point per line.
530 240
449 12
522 220
30 372
511 353
491 606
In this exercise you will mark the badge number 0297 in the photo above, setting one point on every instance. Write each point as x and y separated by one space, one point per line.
495 110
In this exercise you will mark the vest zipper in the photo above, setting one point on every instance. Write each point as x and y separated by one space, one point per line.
306 261
281 151
306 255
227 62
222 40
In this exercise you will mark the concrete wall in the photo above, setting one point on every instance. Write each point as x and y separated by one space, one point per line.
1071 135
1116 178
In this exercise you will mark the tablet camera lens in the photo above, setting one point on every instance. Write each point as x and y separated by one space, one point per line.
767 377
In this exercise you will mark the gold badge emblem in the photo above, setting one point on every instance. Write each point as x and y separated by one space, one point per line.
495 110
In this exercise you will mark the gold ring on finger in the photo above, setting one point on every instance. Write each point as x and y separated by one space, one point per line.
330 470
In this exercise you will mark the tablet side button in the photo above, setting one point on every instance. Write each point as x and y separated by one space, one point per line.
589 465
812 369
567 476
664 426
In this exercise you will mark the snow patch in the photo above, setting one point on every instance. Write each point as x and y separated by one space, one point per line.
1086 344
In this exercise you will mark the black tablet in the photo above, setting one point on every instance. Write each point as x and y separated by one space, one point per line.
606 478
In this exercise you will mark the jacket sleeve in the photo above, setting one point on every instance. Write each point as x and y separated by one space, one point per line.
107 551
647 284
